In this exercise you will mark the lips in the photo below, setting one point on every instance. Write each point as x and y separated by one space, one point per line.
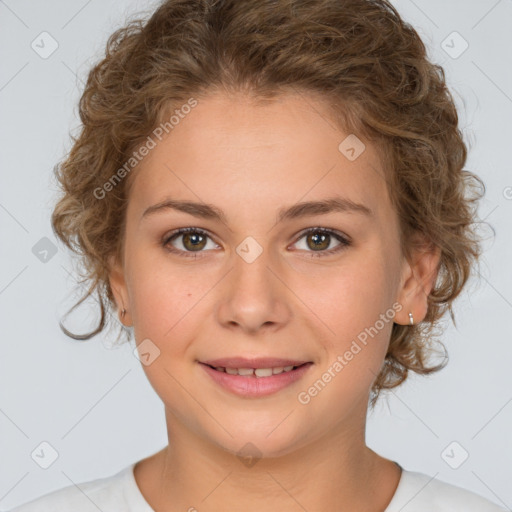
255 381
260 362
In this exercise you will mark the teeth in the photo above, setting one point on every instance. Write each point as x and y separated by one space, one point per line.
263 372
258 372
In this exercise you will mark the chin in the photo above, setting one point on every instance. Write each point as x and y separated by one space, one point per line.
250 442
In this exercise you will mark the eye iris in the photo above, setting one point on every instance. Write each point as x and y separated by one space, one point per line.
319 241
194 238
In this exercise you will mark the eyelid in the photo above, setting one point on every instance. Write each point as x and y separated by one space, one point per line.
189 229
322 229
345 240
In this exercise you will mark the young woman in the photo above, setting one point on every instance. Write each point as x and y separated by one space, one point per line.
272 196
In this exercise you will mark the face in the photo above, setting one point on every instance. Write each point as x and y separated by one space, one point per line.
261 275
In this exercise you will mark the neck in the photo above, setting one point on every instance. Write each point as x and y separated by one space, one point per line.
335 472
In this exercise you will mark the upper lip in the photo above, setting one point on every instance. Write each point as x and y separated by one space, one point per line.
260 362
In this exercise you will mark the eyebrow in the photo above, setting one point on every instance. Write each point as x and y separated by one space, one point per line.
299 210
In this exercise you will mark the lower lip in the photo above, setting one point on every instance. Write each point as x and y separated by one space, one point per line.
252 386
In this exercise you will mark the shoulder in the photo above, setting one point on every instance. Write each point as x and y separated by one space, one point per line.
418 492
105 493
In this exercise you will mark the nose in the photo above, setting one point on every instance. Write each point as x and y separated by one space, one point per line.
254 296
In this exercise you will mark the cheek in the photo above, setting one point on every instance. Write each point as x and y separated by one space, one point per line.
166 303
353 304
162 295
156 302
358 310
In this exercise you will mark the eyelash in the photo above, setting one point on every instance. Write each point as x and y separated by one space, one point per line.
344 242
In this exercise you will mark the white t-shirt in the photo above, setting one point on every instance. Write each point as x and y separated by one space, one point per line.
416 492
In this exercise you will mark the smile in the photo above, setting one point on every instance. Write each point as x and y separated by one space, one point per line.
257 372
255 382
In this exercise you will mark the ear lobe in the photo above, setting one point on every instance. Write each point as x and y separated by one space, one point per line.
117 283
422 270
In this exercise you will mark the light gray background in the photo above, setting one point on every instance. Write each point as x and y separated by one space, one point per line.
94 405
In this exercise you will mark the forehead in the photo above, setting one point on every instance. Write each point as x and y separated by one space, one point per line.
244 152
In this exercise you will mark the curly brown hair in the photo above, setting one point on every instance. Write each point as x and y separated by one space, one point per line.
359 55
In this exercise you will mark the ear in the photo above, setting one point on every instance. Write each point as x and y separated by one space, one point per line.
119 289
418 278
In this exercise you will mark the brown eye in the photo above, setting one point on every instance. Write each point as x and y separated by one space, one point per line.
318 240
194 241
188 242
